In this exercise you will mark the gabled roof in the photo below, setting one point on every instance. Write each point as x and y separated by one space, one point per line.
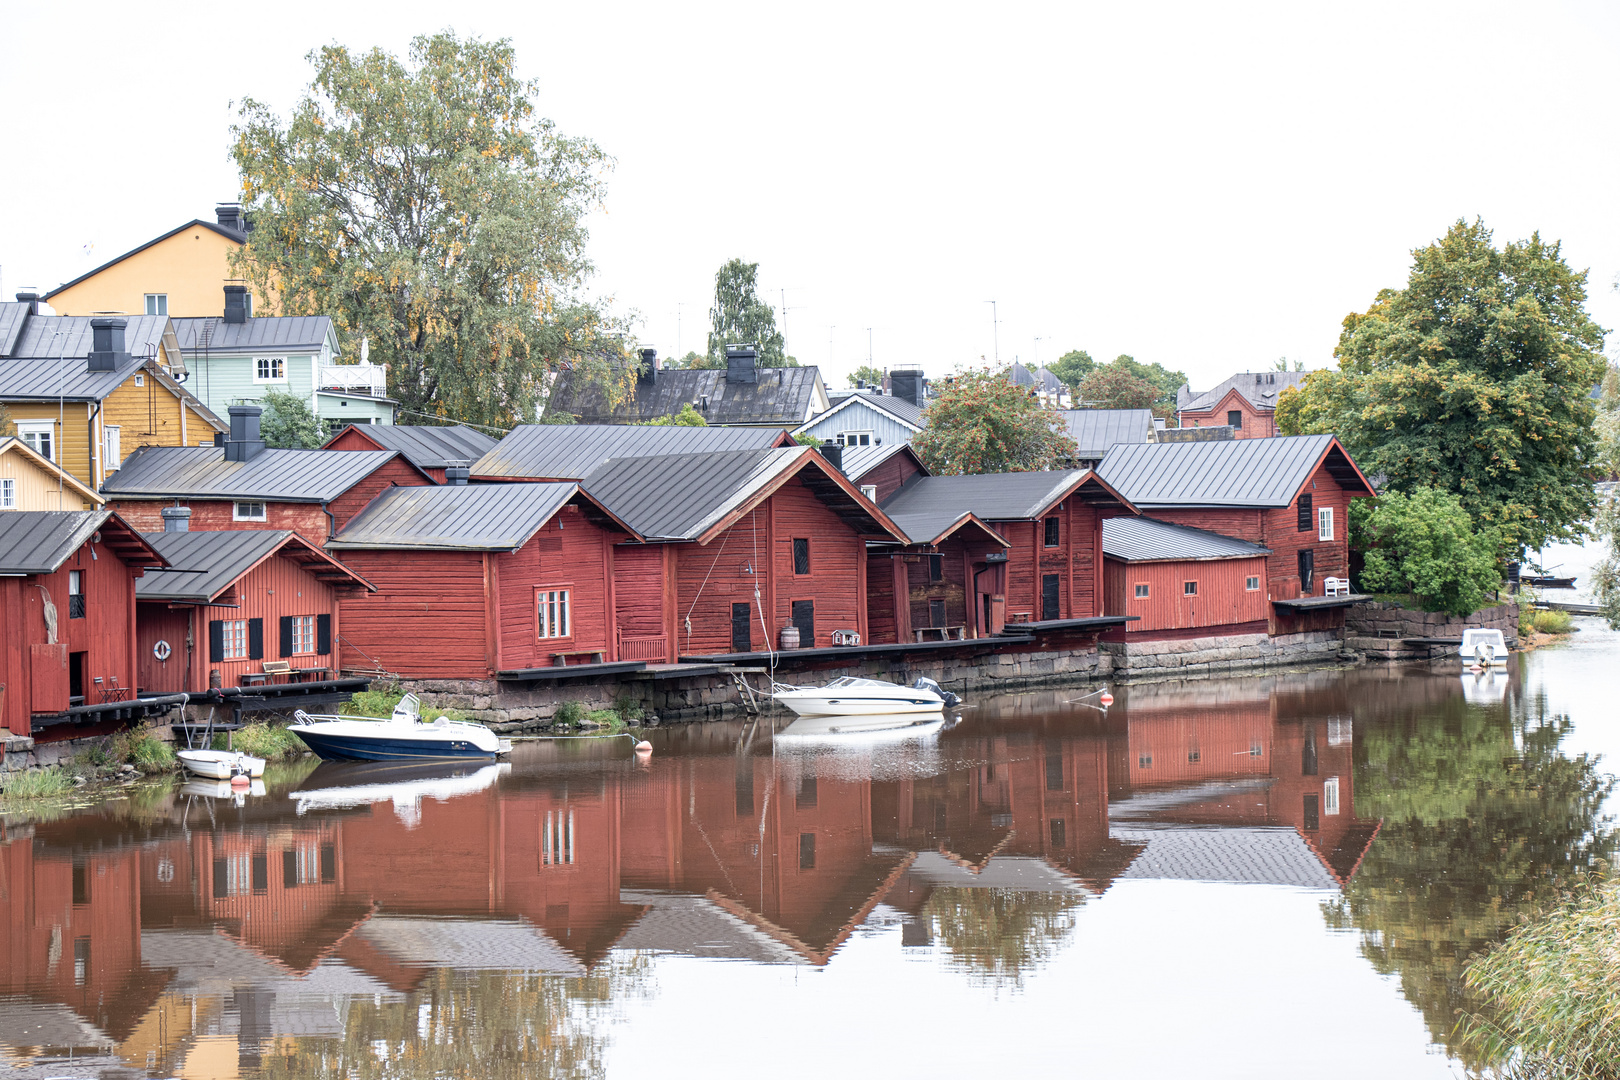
10 444
860 460
40 541
1259 387
48 356
458 517
1239 472
201 472
1022 496
292 332
425 446
786 396
204 564
931 528
12 318
895 408
695 496
1038 378
229 234
1142 539
1095 430
572 451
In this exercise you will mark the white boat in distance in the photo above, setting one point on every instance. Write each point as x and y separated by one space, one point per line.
1487 648
221 764
850 696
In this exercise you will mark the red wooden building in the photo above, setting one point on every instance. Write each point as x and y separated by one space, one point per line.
67 605
1246 403
233 600
735 546
880 471
544 453
431 449
243 485
473 580
1179 581
938 586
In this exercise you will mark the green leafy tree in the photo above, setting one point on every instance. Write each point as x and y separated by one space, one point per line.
423 205
691 361
1000 935
1427 545
1282 365
687 417
867 375
740 317
558 418
980 422
1073 367
1110 387
1606 574
288 424
1475 379
7 426
1607 426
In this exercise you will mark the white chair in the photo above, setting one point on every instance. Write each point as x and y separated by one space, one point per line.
1335 586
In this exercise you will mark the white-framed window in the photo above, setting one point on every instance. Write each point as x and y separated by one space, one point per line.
551 614
112 446
8 494
1189 588
853 438
157 303
1142 591
235 639
1330 796
248 511
268 369
303 636
40 435
140 379
1251 584
1324 523
557 838
870 491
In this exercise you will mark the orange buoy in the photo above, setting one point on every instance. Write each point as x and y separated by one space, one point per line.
1107 699
240 780
644 747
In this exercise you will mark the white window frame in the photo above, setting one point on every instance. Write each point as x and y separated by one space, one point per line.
47 428
235 639
1251 583
303 635
1324 523
1143 591
277 368
1330 796
553 619
853 438
1189 588
157 303
140 379
8 493
243 511
870 491
112 446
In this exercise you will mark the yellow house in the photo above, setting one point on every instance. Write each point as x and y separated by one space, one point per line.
180 273
30 482
85 393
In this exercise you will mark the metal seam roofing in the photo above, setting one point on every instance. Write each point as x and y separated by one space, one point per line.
1238 472
1142 539
860 460
781 395
203 563
300 332
1096 430
572 452
165 472
681 496
1261 394
993 496
429 447
464 517
39 541
926 527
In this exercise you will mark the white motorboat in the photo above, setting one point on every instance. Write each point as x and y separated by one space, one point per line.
221 764
869 730
1489 686
339 785
1485 648
850 696
402 737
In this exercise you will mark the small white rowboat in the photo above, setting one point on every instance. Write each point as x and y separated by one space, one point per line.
221 764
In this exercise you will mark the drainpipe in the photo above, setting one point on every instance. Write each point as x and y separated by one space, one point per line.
97 475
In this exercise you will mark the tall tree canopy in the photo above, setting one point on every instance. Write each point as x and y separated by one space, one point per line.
424 206
1474 379
1110 387
740 317
1073 367
1118 381
866 375
981 422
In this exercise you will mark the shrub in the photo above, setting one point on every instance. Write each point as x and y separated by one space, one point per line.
135 746
1426 544
608 718
1552 622
38 784
380 703
269 741
629 707
569 713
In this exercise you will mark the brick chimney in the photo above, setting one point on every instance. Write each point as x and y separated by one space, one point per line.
176 518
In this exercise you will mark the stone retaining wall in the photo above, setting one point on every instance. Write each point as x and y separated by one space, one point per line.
1222 653
1377 629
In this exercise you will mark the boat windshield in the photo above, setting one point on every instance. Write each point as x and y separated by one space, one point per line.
850 680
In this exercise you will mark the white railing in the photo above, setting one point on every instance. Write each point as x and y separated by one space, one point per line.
371 379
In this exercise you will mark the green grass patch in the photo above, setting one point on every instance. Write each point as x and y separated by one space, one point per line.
269 741
630 708
379 704
138 746
608 718
37 784
569 714
1552 622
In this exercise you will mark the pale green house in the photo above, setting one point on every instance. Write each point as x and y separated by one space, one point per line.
235 361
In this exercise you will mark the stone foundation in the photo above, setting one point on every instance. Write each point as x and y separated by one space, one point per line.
1378 630
1202 655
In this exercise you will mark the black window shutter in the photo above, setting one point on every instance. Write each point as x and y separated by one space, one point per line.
286 636
222 881
323 634
936 567
1049 596
742 635
801 556
1305 522
1307 570
255 639
289 868
804 617
216 640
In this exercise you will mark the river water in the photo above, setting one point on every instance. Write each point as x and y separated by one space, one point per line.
1260 877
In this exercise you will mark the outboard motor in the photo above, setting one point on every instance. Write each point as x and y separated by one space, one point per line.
950 699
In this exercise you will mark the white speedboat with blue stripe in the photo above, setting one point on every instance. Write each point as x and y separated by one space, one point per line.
850 696
402 737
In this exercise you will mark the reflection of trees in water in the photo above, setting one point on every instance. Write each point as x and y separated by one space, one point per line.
474 1026
1484 820
999 935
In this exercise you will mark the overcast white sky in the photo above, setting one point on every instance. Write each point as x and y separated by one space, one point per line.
1210 186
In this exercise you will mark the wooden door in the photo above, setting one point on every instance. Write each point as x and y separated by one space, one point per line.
161 632
1049 596
804 617
742 623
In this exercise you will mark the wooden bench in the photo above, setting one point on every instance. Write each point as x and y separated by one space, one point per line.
560 659
309 674
1021 616
270 669
946 633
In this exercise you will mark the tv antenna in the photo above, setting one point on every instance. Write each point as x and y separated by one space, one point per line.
995 332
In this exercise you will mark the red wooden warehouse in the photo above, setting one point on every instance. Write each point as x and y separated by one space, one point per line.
233 600
431 449
67 606
1178 581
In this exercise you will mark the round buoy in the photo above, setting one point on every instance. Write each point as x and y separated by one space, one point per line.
1107 699
239 780
643 747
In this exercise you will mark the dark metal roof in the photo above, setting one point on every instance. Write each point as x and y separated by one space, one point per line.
781 396
168 472
1261 388
12 318
204 564
860 460
899 408
39 541
1142 539
229 234
931 527
1095 430
429 447
572 451
455 517
301 332
48 356
1241 472
1021 496
1039 378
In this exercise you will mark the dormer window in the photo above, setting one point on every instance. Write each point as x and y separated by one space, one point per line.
270 369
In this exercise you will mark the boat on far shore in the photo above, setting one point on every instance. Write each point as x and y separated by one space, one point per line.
850 696
401 737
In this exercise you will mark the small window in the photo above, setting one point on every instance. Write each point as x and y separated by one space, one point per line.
8 494
40 437
112 437
1052 538
236 639
1060 832
936 567
801 555
1194 755
552 613
157 303
870 491
1330 796
140 380
270 369
807 851
248 511
75 594
1189 588
303 629
1144 761
1324 523
1252 584
1256 750
1141 592
1234 420
1305 512
855 438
